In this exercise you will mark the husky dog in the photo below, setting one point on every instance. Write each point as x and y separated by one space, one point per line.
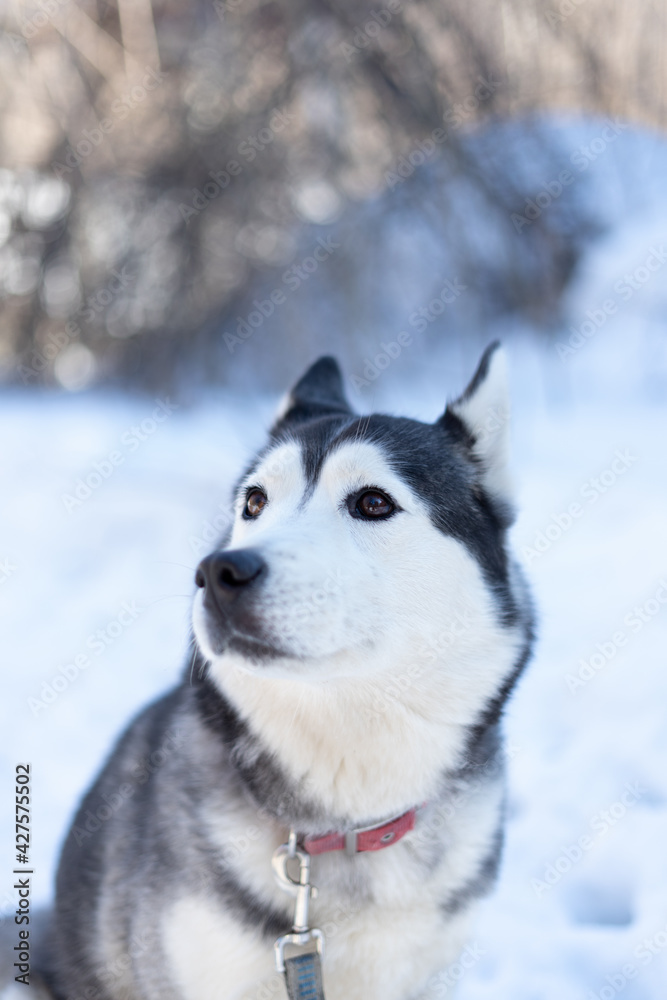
357 636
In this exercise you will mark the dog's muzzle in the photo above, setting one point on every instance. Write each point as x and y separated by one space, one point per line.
231 582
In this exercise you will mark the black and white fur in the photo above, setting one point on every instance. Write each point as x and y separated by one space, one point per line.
364 672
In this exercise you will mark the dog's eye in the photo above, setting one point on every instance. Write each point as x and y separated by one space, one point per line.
373 504
255 503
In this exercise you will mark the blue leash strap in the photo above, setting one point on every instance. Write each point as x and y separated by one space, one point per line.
303 977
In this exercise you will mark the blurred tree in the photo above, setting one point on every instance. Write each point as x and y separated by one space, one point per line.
161 157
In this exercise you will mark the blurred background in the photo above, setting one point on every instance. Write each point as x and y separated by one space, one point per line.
165 164
199 198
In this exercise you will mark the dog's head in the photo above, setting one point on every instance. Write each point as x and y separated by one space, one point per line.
365 540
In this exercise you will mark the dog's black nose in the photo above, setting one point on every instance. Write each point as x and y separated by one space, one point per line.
224 574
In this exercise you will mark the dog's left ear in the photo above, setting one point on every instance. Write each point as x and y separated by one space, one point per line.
482 412
317 393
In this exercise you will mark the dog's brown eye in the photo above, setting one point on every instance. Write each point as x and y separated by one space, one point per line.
255 503
374 504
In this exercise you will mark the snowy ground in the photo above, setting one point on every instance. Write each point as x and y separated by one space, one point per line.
581 909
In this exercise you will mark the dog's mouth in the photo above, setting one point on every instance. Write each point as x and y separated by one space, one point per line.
254 649
218 633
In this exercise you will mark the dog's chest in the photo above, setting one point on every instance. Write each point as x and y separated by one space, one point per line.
386 947
386 929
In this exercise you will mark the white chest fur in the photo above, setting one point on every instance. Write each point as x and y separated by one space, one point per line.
387 933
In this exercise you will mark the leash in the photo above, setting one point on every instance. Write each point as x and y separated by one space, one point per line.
299 954
303 967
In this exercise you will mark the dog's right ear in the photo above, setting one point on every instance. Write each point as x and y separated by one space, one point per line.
317 393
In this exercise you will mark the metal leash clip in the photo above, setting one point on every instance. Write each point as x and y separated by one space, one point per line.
303 892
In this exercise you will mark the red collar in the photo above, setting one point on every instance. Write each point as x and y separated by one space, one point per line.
368 838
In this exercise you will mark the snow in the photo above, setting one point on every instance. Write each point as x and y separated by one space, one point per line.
581 907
